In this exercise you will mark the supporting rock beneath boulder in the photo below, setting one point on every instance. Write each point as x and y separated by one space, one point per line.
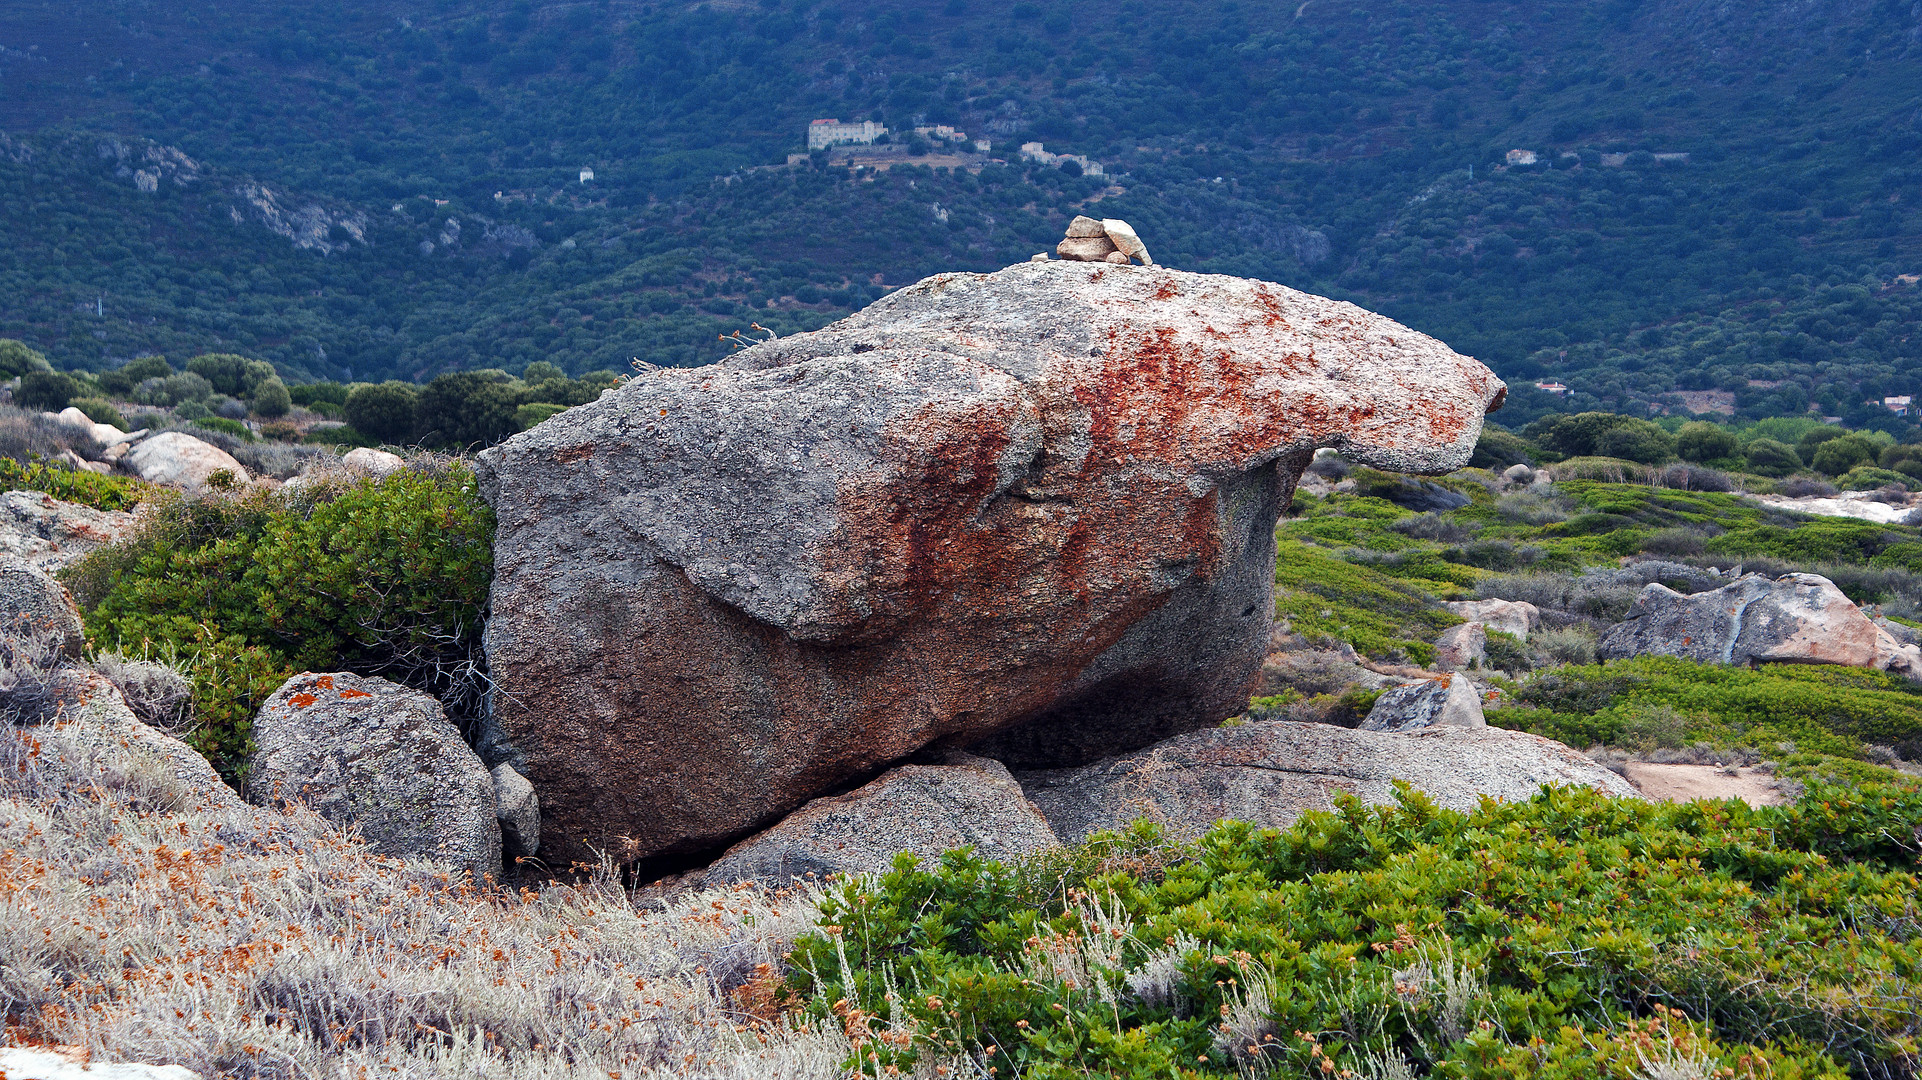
1042 498
383 759
1795 619
921 809
1269 773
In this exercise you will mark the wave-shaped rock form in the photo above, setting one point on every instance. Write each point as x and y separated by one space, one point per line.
1041 499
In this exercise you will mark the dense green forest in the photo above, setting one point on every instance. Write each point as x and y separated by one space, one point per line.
1725 198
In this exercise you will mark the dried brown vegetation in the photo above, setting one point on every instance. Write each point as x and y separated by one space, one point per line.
137 925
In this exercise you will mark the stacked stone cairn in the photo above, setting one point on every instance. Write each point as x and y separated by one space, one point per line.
1111 240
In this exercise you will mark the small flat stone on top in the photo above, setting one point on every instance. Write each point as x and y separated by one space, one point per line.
1084 227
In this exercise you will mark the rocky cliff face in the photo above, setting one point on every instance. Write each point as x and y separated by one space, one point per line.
1033 507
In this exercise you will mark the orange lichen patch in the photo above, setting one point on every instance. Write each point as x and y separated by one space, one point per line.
325 682
301 701
1166 292
355 693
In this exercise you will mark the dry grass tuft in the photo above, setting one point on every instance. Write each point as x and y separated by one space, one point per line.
137 925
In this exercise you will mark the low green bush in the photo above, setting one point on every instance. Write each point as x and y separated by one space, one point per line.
1818 708
100 411
385 576
344 435
227 427
1573 935
73 485
1328 599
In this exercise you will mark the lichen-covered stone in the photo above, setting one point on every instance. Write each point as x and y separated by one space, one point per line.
33 604
382 758
1041 499
1449 702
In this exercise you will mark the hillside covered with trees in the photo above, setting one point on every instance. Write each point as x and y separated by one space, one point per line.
1724 198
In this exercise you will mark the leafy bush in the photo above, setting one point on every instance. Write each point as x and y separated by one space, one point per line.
383 410
1327 599
1838 455
1636 440
308 395
100 411
72 485
235 376
18 358
340 435
384 577
270 398
123 379
1819 708
176 389
466 408
1700 441
226 427
1531 939
526 416
1766 457
48 390
1593 434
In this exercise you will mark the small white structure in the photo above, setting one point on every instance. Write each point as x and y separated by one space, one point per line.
586 174
1522 157
1552 388
1032 151
982 146
1898 405
825 133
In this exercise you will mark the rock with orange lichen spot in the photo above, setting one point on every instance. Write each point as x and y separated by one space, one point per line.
382 758
1030 510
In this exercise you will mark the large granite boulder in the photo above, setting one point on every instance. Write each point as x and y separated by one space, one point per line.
53 534
1036 505
921 809
382 758
180 460
1513 617
1794 619
1269 773
32 603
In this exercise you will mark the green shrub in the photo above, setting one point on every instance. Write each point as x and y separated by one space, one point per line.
1327 599
466 408
386 576
231 680
48 390
1497 449
344 435
270 398
17 358
72 485
1838 455
235 376
226 427
526 416
1636 440
100 411
1701 441
1573 935
1868 478
1766 457
307 395
384 411
1652 701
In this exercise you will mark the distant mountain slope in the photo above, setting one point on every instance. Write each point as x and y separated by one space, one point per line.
1326 145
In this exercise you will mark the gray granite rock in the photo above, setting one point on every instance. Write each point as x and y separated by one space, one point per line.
53 534
921 809
1797 618
383 759
1449 702
1270 773
32 603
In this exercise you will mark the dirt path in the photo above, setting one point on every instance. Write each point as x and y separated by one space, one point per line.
1682 783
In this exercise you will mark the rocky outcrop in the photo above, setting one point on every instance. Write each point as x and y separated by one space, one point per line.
1794 619
1515 617
1450 702
921 809
1462 647
1269 773
1109 240
52 534
1041 499
383 759
180 460
29 1063
32 603
101 736
373 462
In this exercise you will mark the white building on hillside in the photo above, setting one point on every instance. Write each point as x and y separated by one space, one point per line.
1032 151
586 174
825 133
